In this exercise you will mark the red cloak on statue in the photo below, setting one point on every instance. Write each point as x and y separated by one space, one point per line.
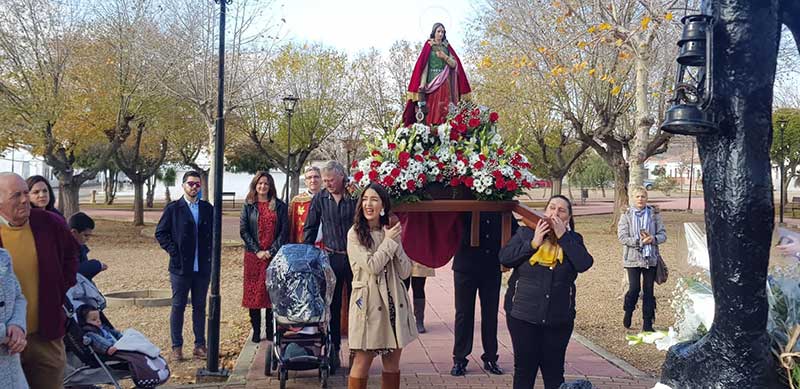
449 86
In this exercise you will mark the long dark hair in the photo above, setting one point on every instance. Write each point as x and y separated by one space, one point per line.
433 32
569 208
360 222
33 180
252 196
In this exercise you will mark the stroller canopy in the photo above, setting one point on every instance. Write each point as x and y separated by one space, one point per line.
85 292
300 281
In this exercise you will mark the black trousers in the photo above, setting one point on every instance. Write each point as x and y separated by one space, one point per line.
344 276
417 286
647 278
487 287
538 347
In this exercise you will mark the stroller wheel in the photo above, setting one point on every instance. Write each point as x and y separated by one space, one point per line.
269 360
323 377
284 375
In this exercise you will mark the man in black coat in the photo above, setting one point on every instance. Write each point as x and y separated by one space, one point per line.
476 270
184 232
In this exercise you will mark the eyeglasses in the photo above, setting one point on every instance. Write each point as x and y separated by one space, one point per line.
194 184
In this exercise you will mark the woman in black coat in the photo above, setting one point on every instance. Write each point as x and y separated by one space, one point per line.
540 300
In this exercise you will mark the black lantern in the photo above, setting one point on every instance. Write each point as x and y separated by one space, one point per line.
689 114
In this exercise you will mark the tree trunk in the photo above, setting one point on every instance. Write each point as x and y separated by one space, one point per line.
638 151
110 185
558 184
603 191
620 192
138 203
294 188
151 190
70 195
167 198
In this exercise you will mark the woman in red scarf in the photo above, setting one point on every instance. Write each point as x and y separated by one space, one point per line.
437 81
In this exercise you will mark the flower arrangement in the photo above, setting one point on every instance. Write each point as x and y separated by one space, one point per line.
466 150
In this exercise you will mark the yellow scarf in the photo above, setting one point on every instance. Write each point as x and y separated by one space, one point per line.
547 254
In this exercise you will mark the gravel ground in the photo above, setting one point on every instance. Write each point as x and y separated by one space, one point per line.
136 261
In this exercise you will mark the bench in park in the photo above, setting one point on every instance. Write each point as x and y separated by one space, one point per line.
230 197
794 206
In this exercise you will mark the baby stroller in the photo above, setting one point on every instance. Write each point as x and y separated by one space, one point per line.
300 283
85 367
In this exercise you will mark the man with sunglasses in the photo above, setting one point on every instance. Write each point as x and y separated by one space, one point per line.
184 232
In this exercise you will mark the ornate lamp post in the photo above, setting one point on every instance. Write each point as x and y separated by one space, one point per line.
212 370
782 125
289 104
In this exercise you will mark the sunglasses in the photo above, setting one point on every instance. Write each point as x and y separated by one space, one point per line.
194 184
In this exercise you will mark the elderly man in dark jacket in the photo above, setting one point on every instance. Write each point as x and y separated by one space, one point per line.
45 257
184 232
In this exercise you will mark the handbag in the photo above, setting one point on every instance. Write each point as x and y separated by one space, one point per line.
662 272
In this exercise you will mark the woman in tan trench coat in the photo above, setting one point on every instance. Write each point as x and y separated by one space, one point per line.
381 322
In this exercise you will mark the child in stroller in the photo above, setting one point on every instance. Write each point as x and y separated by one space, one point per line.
300 283
93 358
102 336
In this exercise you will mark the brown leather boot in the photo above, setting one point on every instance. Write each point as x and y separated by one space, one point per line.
357 383
390 380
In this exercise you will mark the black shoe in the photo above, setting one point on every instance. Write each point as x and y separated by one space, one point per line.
335 362
256 337
626 321
492 367
459 369
648 325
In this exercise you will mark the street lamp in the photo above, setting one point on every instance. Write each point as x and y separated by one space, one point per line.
782 125
212 371
289 104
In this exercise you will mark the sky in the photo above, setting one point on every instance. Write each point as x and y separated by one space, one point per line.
356 25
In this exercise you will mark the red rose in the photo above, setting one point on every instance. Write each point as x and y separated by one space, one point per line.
511 185
375 153
482 157
354 164
392 146
497 175
458 119
374 164
395 172
404 156
453 134
403 163
517 174
526 184
439 177
476 112
462 128
469 181
358 176
411 184
418 158
426 153
373 175
478 165
422 177
500 183
455 181
388 181
493 117
474 122
440 165
500 152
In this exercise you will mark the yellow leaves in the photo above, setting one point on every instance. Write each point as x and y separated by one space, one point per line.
592 71
604 27
486 63
541 50
591 29
559 20
558 71
615 91
579 66
581 45
668 16
645 22
484 43
625 55
618 43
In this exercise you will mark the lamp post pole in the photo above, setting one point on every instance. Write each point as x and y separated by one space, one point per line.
691 176
212 370
782 126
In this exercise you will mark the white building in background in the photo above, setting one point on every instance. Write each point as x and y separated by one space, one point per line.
25 164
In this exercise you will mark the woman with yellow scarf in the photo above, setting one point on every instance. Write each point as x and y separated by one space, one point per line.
540 300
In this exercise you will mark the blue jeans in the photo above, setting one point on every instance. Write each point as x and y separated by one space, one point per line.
181 286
